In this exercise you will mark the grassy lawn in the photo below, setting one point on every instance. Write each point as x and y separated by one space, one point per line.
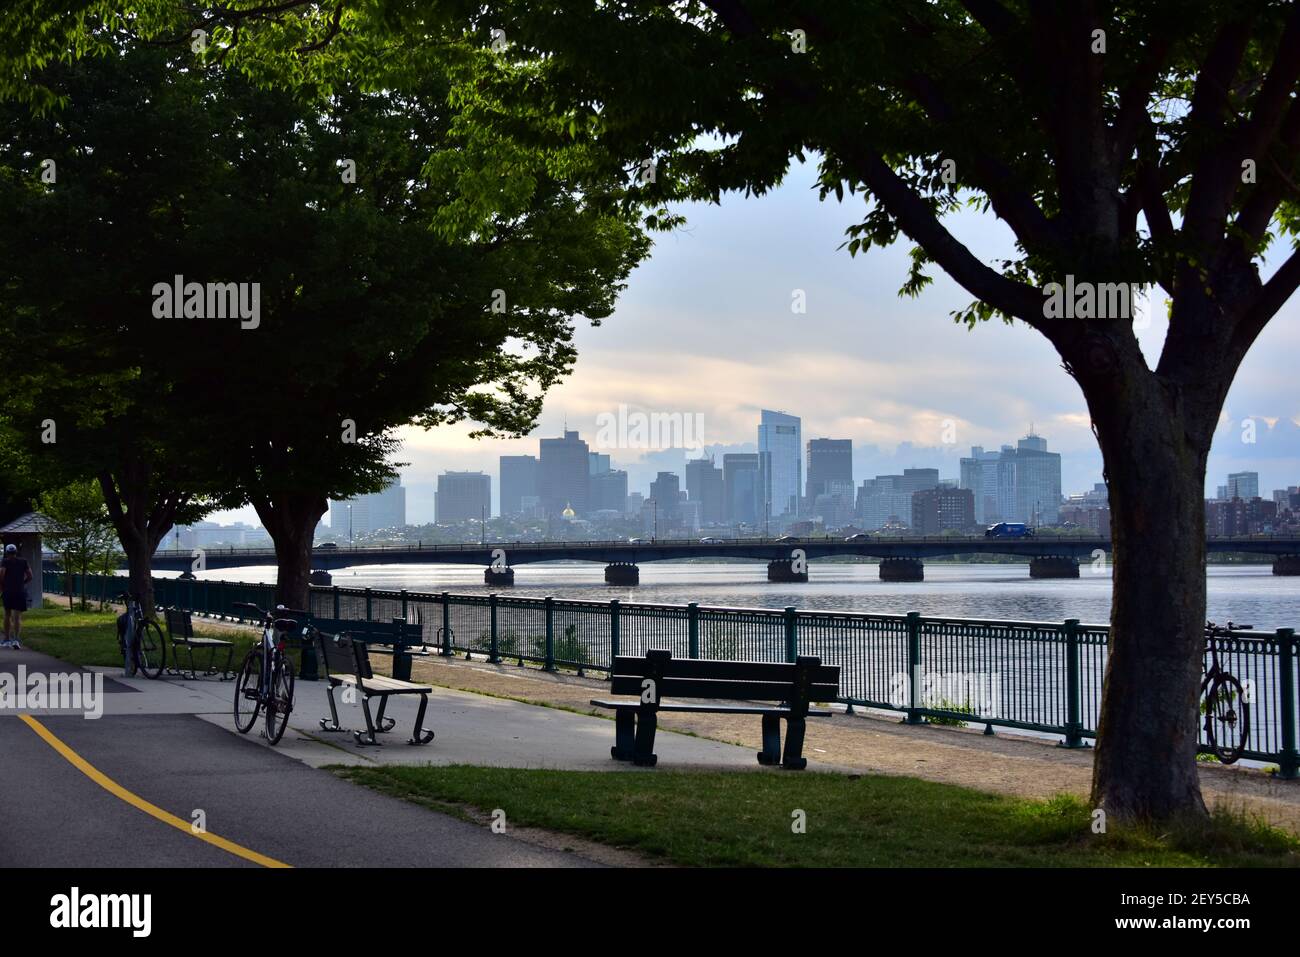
90 637
740 819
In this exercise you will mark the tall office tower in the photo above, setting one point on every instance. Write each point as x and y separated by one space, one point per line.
597 462
939 509
887 499
829 460
369 513
979 473
745 488
704 485
518 482
562 474
1037 482
462 497
665 492
835 506
779 436
607 491
1243 485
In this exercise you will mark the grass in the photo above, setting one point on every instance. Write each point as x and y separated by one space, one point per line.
744 819
85 638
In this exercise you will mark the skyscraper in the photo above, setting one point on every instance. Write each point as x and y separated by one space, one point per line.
1037 482
1243 485
518 481
829 460
563 470
779 436
704 485
462 497
666 493
979 473
745 477
607 491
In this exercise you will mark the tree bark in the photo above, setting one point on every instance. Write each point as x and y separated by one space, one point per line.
142 515
290 519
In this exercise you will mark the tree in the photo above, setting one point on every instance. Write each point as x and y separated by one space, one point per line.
83 533
404 273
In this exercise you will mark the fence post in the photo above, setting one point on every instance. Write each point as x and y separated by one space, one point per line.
693 630
549 664
613 633
1288 760
404 618
336 602
369 604
913 668
446 625
791 635
493 657
1073 687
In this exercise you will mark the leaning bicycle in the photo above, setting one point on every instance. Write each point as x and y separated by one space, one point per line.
1223 700
265 682
140 639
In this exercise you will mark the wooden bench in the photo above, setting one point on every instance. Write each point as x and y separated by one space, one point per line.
346 660
180 632
659 676
403 640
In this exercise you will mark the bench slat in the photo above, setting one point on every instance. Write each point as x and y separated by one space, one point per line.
742 670
723 689
708 708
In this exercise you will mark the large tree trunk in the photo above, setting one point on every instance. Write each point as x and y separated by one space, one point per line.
141 516
1155 439
291 519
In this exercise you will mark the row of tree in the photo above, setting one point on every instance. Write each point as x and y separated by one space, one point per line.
361 301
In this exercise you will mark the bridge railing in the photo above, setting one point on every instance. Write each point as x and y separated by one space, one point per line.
1040 676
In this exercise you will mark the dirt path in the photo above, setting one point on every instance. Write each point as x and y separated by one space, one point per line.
1005 763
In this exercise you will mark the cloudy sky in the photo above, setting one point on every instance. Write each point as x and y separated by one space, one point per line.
706 327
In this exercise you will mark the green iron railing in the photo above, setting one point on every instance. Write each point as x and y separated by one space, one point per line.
1038 676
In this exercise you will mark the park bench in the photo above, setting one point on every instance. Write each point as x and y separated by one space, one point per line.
346 660
659 676
404 640
180 633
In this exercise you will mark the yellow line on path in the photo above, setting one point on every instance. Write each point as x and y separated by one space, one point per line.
112 787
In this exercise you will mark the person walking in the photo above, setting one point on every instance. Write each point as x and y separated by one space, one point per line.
14 576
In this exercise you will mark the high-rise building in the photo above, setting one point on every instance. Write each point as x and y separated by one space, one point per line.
607 491
562 475
1015 484
937 510
704 485
887 499
518 482
745 478
597 463
979 474
829 460
666 493
779 436
366 514
1243 485
462 497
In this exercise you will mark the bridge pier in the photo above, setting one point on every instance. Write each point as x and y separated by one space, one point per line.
782 570
1054 566
902 570
1286 565
320 577
622 573
187 576
498 576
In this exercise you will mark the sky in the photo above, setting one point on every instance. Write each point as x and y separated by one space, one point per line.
706 328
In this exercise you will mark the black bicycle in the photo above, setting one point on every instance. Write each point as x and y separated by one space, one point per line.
1223 700
265 681
140 640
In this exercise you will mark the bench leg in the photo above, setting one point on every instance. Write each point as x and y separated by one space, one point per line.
226 674
333 723
421 734
643 751
794 759
369 736
624 735
382 724
771 753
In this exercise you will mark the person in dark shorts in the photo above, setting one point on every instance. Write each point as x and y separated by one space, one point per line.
14 576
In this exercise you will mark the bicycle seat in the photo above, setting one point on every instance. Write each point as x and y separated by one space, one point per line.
287 624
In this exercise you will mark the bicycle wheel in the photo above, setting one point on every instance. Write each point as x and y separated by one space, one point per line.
248 691
280 701
1227 719
150 650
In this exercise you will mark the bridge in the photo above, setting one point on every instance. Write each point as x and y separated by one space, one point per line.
901 558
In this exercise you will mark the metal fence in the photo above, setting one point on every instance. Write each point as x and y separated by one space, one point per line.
1039 676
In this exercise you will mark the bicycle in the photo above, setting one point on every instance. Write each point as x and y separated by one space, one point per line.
266 677
141 643
1224 702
